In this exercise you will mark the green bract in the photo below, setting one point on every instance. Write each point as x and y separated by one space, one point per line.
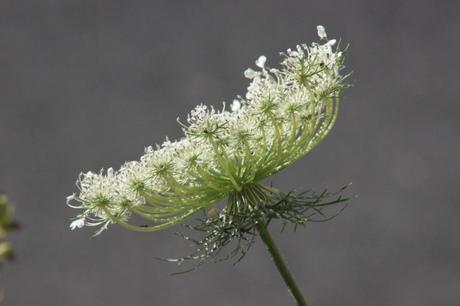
225 153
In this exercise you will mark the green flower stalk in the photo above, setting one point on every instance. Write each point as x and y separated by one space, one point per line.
226 154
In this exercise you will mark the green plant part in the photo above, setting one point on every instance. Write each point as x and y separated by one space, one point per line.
6 225
241 219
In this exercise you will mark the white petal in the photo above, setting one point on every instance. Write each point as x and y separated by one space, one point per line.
250 73
321 32
79 223
235 106
331 42
260 62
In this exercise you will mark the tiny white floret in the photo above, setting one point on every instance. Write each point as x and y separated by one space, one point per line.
321 32
260 62
331 42
235 106
250 73
79 223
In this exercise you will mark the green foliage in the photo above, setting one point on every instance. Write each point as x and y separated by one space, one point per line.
6 225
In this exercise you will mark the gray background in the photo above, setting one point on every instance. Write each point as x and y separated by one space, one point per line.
89 84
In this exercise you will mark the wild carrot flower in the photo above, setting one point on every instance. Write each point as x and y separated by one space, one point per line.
285 113
225 154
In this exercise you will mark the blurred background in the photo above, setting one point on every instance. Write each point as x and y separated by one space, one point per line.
86 85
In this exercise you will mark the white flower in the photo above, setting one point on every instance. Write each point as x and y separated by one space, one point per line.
79 223
321 32
260 62
331 42
235 106
250 73
285 113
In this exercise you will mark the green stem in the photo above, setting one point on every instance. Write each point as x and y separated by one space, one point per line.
280 264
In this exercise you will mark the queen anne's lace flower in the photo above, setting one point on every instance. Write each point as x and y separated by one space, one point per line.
285 113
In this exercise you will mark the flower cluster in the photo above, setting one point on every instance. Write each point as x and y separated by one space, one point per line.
284 114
